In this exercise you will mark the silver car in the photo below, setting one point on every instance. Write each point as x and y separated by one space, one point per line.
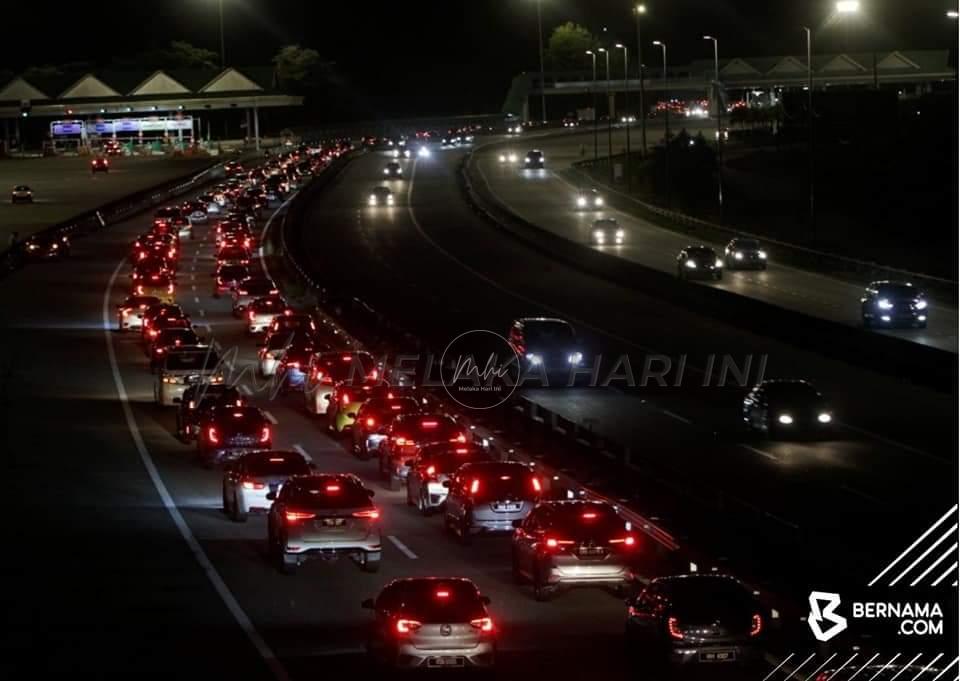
489 497
323 516
432 622
248 480
573 543
262 311
193 365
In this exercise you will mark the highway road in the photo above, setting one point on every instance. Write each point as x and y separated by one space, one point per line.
125 564
546 198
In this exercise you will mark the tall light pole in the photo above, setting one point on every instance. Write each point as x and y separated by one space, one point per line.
810 116
719 105
606 53
223 49
638 12
593 87
666 120
543 81
626 107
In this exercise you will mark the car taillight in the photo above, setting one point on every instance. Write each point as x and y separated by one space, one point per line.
475 486
673 628
153 333
170 288
265 434
212 435
552 543
252 315
756 625
139 290
367 513
405 626
537 487
461 438
629 541
431 471
346 399
370 422
484 624
296 516
253 484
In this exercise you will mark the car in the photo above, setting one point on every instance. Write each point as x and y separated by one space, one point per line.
233 168
407 434
885 671
112 147
327 368
252 476
607 231
373 417
273 347
198 400
323 515
434 465
149 327
21 194
196 211
778 407
696 619
570 122
130 311
349 396
196 365
291 372
294 321
545 344
393 169
251 289
167 340
890 304
488 497
227 431
152 262
46 246
699 262
227 276
262 311
744 254
233 255
507 157
162 217
431 623
182 226
534 159
380 196
574 543
99 165
589 199
159 285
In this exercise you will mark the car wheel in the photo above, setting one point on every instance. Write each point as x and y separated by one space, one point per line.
226 506
541 592
392 481
287 564
236 515
463 531
409 498
370 565
423 505
518 577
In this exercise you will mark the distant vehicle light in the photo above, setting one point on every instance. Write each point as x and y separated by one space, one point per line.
884 304
785 419
534 359
738 255
598 201
824 417
718 263
920 304
581 201
575 358
762 254
692 264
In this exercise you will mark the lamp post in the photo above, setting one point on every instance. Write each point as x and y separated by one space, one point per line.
626 107
606 53
810 116
666 120
719 105
223 49
543 82
638 12
593 87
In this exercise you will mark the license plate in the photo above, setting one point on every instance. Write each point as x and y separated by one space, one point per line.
334 522
506 508
591 551
445 661
718 656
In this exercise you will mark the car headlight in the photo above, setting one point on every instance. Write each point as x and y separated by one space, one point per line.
762 254
528 159
581 201
598 201
512 158
534 359
884 304
390 199
502 158
599 236
824 417
620 236
692 264
424 152
575 358
920 304
386 171
785 419
718 263
373 200
738 255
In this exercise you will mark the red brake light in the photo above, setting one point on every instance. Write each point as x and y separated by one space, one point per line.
346 398
431 471
252 315
589 515
551 543
368 513
674 629
406 626
460 438
629 540
756 625
484 624
253 484
332 489
534 481
428 424
265 434
212 435
395 407
294 516
443 593
370 422
475 486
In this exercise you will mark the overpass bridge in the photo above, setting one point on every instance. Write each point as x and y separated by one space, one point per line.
909 71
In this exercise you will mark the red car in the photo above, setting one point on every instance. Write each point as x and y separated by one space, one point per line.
99 165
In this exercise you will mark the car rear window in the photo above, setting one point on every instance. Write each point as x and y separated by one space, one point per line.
548 332
341 366
579 521
326 493
706 597
432 601
264 464
448 460
268 306
499 483
192 361
232 272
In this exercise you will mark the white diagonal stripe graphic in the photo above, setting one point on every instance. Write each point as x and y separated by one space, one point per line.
914 544
944 670
929 664
935 563
875 656
812 655
943 538
777 668
905 667
825 663
950 571
842 667
884 667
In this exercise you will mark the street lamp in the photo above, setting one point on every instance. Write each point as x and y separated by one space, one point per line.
593 87
848 6
626 106
543 81
953 14
719 105
606 53
666 119
639 11
810 115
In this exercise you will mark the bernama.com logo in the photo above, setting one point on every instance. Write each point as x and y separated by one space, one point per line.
909 618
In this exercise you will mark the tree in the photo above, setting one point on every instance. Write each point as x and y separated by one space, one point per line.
298 67
566 47
184 55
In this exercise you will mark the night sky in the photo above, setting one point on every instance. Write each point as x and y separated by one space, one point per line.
413 55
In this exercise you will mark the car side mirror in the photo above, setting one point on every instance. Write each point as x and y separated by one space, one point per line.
271 496
446 483
517 522
485 600
367 604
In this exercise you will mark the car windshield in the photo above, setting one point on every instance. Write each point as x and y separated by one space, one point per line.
898 291
433 600
192 361
548 333
746 244
395 406
792 391
327 493
701 253
266 464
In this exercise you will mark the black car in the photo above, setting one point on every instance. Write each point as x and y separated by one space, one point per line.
46 247
229 431
21 194
888 304
545 344
786 406
699 262
393 169
199 401
744 254
534 159
696 619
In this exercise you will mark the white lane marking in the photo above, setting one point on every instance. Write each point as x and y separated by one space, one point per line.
245 389
766 455
196 299
893 443
193 277
682 419
404 549
193 287
233 606
201 312
270 417
302 452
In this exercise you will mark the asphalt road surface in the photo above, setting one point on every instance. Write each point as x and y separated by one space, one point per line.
546 199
